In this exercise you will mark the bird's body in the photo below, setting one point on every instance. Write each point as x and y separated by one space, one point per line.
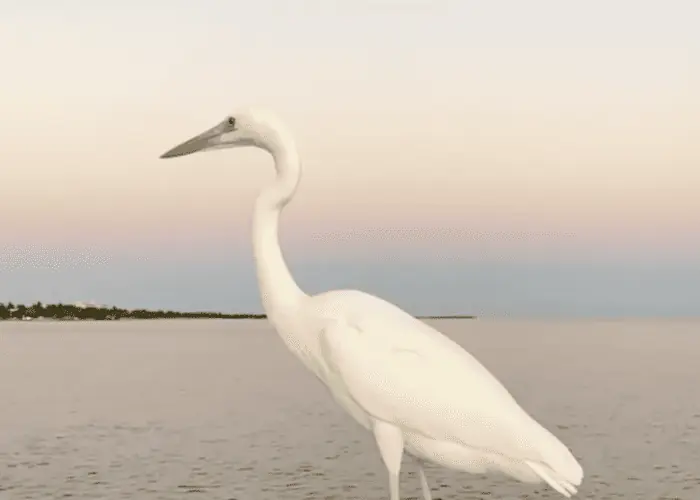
412 387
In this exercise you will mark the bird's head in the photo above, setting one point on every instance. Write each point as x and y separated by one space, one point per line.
247 127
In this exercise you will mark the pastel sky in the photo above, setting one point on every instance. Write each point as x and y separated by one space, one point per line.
498 158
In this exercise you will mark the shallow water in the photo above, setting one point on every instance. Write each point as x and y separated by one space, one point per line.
220 410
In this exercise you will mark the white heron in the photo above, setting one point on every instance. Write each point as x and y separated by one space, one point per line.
416 390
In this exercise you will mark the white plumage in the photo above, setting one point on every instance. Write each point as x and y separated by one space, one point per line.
412 387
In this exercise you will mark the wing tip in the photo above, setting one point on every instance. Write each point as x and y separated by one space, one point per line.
562 485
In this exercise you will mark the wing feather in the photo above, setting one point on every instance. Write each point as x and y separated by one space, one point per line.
402 372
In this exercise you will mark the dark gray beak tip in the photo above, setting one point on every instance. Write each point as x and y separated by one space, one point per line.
174 153
193 145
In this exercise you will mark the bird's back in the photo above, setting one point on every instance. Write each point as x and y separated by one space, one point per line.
399 328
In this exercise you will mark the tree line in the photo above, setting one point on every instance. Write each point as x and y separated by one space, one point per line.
72 312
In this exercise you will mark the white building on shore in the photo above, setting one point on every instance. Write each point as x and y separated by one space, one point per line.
89 303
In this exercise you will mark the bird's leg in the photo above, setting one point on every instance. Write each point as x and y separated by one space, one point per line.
424 483
390 442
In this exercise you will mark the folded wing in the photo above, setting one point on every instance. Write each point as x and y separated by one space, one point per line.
402 371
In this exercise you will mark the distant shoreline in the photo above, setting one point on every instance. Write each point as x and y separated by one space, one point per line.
80 312
223 316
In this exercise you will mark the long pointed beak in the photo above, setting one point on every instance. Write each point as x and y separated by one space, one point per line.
198 143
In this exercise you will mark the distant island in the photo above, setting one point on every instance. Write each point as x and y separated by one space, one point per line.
96 312
81 311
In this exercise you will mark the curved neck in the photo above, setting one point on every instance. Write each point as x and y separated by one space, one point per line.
278 290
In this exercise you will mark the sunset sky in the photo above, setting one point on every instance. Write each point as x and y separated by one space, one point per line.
501 158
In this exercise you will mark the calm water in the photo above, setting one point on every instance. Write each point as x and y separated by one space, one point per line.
220 410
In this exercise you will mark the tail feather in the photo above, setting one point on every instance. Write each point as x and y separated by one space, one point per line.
555 464
564 486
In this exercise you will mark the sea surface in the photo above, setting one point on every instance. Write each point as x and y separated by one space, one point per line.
216 409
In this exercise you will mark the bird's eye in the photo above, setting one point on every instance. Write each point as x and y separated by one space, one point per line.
231 121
